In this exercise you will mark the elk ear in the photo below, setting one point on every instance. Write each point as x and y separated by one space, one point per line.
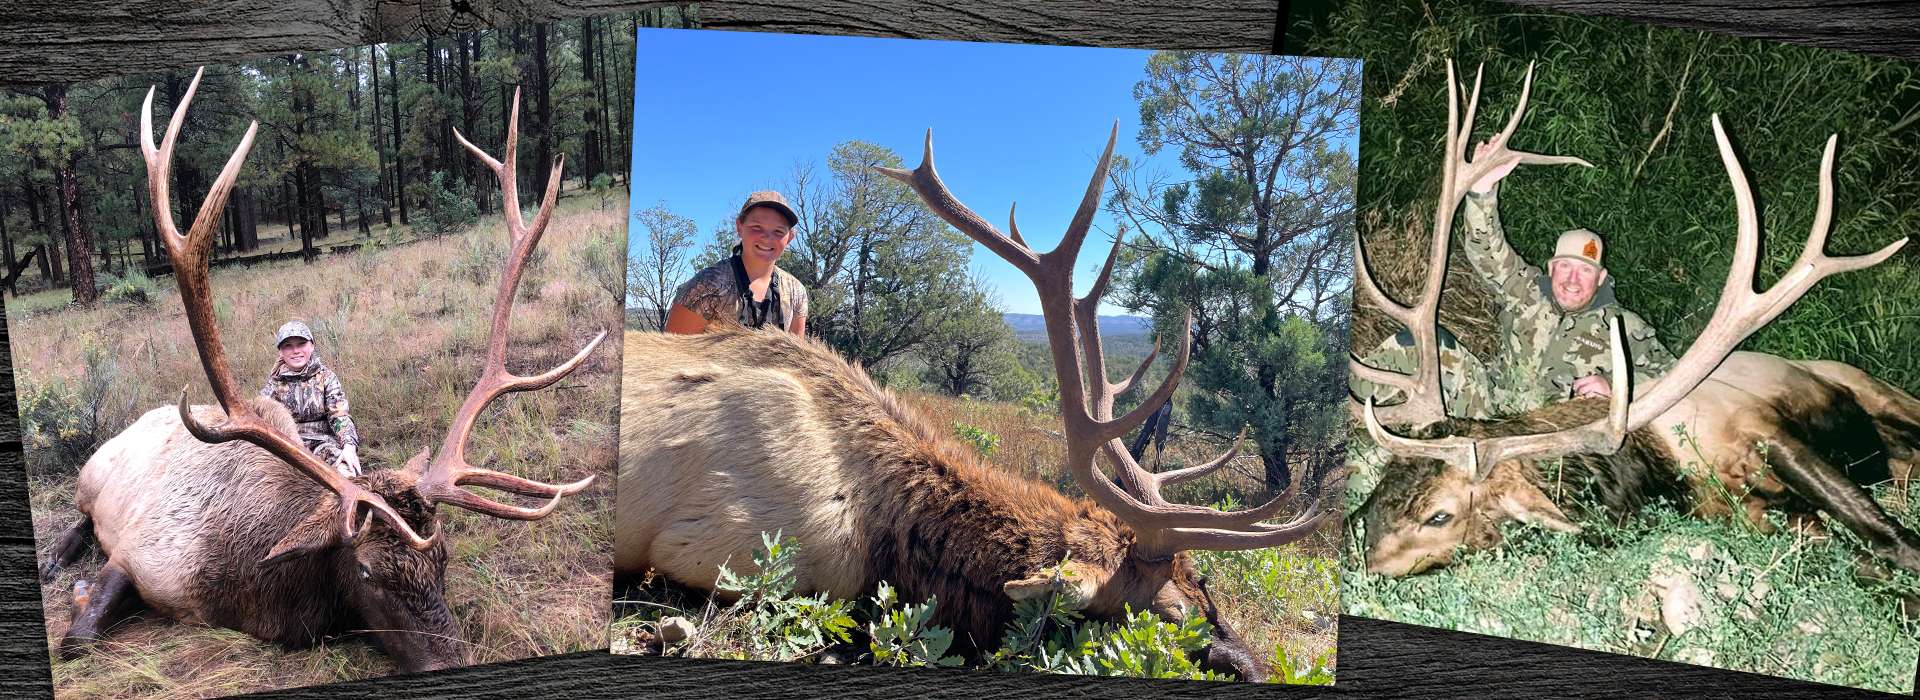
1528 504
1068 579
318 531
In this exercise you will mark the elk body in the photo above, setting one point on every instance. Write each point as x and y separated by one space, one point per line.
735 433
217 515
1727 433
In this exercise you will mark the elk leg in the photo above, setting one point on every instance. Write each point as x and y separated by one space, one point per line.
113 597
1831 491
1895 413
75 543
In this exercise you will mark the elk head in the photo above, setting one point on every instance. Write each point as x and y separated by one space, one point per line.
1451 483
1156 572
391 575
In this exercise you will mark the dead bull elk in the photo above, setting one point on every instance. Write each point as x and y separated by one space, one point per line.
232 523
1772 432
732 433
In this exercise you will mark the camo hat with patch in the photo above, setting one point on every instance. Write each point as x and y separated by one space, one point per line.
772 200
293 329
1580 244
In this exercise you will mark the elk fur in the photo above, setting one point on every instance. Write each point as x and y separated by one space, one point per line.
732 433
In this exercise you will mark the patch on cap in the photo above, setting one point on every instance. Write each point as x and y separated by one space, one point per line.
1579 244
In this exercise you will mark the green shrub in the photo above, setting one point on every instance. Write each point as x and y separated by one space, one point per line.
451 211
604 261
134 289
61 424
778 625
982 441
901 636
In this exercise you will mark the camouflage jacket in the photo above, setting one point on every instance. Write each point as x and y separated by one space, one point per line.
715 294
1543 348
318 403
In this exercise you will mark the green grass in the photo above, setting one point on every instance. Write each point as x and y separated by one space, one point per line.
405 332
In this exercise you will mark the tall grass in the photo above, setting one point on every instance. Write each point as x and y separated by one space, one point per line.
405 329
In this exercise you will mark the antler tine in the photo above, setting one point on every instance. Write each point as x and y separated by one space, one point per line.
1473 105
1086 395
505 168
1224 540
1424 402
1740 311
1013 227
925 181
189 255
1180 476
442 476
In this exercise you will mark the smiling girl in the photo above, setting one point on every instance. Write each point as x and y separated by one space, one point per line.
312 393
747 288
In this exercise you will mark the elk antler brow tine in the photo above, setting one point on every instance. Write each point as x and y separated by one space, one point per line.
445 472
1179 476
189 254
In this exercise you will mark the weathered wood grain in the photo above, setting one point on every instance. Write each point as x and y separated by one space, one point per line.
57 40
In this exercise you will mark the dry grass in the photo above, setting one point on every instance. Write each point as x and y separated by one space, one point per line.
404 328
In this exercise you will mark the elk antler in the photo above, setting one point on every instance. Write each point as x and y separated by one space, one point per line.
1424 405
1739 312
189 255
442 477
1086 404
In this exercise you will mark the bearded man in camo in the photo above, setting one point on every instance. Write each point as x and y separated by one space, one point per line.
312 393
1553 324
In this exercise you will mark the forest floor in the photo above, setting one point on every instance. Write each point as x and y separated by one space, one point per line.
405 327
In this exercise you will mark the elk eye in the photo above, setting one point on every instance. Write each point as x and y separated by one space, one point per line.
365 572
1438 519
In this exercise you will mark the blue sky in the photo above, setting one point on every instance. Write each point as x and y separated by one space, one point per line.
718 114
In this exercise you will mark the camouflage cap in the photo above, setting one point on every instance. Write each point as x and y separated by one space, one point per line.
1580 244
771 199
293 329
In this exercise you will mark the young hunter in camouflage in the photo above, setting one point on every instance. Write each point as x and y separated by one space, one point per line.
1544 348
318 403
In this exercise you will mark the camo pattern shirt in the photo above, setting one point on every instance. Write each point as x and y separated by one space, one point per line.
1544 349
711 294
1465 389
318 403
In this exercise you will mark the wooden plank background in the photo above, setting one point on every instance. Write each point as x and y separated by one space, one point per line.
42 40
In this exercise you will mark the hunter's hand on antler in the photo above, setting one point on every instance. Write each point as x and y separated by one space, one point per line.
1494 155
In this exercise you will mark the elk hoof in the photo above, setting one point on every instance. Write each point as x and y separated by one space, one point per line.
49 570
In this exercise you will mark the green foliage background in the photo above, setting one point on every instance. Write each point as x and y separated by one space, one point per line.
1636 100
